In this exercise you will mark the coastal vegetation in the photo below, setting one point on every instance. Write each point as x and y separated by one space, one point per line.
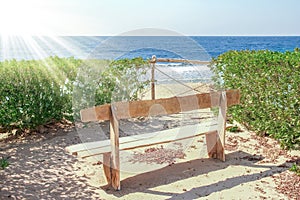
37 92
270 91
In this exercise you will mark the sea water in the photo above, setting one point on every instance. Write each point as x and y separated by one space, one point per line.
100 47
17 47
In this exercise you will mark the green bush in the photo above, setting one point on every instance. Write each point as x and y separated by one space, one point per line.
34 93
270 91
121 81
102 81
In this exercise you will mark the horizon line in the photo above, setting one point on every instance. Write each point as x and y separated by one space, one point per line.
192 35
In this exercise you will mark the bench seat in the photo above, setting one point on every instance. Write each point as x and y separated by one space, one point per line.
89 149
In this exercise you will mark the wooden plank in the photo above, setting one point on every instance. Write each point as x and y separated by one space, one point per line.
74 149
173 105
159 137
95 113
77 148
83 147
232 97
115 154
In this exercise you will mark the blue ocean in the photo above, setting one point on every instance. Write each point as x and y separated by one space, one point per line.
194 47
99 47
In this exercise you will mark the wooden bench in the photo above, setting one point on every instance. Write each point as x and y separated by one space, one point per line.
213 130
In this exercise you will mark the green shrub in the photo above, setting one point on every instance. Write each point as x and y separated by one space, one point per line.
270 91
35 92
121 81
102 81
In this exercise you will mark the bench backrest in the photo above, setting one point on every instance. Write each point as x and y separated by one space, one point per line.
144 108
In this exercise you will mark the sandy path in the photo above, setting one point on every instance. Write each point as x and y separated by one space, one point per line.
40 168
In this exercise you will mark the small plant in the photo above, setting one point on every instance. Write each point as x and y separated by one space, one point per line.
4 163
295 168
234 129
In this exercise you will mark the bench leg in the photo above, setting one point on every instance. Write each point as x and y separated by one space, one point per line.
215 147
115 152
106 167
112 173
216 140
115 176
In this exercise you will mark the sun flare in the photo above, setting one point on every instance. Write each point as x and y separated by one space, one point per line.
21 24
22 18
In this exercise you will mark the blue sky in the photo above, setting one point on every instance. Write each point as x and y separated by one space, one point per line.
112 17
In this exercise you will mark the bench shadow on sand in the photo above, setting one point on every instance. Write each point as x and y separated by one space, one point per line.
173 173
42 170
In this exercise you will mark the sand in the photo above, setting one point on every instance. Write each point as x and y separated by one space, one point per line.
40 168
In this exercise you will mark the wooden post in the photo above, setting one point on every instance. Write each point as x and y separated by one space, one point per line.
215 140
222 129
107 167
115 153
153 61
211 143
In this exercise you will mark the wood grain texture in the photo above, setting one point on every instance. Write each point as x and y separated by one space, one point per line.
107 167
172 105
216 141
222 127
95 113
144 140
115 151
211 143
